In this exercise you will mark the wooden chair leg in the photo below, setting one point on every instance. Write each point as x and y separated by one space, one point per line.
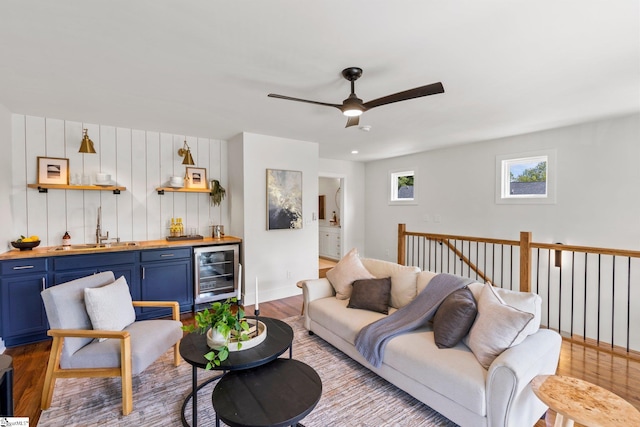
127 382
176 354
49 378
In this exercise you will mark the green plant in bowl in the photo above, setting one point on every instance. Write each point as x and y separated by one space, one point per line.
228 319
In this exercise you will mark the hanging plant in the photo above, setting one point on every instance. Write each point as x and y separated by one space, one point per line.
217 192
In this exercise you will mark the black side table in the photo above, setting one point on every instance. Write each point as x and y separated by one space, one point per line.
194 346
277 394
6 385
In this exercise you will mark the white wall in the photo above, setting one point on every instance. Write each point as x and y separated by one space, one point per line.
140 160
597 190
6 173
279 258
353 212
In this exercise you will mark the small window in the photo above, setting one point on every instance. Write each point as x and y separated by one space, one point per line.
402 186
526 178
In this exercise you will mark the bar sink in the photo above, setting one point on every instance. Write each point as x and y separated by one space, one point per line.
94 246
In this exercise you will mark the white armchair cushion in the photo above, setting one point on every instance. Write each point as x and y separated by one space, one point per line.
110 307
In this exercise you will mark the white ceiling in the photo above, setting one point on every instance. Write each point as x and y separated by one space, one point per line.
205 67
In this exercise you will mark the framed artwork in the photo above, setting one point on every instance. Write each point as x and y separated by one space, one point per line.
53 170
284 199
197 178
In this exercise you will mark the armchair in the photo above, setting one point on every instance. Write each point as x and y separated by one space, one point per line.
78 350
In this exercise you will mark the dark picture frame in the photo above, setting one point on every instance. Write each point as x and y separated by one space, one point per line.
284 199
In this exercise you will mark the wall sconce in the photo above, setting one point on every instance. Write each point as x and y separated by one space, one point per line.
185 152
87 145
558 256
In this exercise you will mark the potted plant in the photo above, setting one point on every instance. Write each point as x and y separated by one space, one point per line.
217 192
227 321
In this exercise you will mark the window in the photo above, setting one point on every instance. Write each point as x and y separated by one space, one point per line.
402 187
526 178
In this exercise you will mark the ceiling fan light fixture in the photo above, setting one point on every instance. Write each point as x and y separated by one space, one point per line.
352 112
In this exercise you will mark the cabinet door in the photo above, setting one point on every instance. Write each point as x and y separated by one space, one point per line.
23 315
166 281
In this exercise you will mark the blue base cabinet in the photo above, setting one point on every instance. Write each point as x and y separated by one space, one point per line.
152 274
166 275
23 316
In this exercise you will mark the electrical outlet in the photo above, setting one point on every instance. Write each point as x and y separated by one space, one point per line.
288 274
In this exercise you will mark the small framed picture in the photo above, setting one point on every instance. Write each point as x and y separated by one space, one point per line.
53 170
197 178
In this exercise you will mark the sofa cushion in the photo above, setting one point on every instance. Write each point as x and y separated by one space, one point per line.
453 372
348 270
424 277
371 294
454 318
403 279
524 301
110 307
333 315
496 328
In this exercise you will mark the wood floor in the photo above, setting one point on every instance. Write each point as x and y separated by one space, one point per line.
615 373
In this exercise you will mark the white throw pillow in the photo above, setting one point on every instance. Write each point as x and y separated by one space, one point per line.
348 270
497 326
110 307
524 301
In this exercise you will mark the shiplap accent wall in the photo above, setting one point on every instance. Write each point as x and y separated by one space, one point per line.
140 160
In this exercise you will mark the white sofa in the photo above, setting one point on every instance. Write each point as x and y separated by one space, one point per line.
450 380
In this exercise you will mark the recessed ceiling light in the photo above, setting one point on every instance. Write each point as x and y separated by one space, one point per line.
354 151
365 128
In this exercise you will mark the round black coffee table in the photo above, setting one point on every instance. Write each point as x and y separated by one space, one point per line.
277 394
194 346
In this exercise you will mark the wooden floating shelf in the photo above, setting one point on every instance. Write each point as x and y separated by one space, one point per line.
44 188
161 190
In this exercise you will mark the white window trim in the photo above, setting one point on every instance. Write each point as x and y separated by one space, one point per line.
501 175
392 192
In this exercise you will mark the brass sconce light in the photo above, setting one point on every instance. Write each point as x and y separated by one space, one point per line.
87 145
185 152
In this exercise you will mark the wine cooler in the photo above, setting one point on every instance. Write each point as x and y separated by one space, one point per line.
215 272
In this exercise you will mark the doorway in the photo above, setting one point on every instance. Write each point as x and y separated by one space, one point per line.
331 221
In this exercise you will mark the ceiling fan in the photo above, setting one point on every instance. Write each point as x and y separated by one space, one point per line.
353 107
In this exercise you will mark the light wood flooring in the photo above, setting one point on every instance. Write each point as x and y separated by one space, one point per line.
615 373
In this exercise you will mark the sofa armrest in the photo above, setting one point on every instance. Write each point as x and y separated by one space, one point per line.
314 289
509 394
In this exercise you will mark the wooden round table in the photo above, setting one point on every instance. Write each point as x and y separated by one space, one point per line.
277 394
194 346
580 401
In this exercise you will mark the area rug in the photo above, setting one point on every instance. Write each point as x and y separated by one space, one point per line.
351 395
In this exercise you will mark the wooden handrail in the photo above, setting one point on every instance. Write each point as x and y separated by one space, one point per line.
466 260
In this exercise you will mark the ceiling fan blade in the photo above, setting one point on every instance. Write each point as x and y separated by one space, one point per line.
418 92
353 121
288 98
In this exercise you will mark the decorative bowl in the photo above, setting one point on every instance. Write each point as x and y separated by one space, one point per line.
25 246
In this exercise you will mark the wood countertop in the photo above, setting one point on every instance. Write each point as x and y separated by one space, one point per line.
49 251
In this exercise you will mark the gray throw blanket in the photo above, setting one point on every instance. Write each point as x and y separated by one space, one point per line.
373 338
